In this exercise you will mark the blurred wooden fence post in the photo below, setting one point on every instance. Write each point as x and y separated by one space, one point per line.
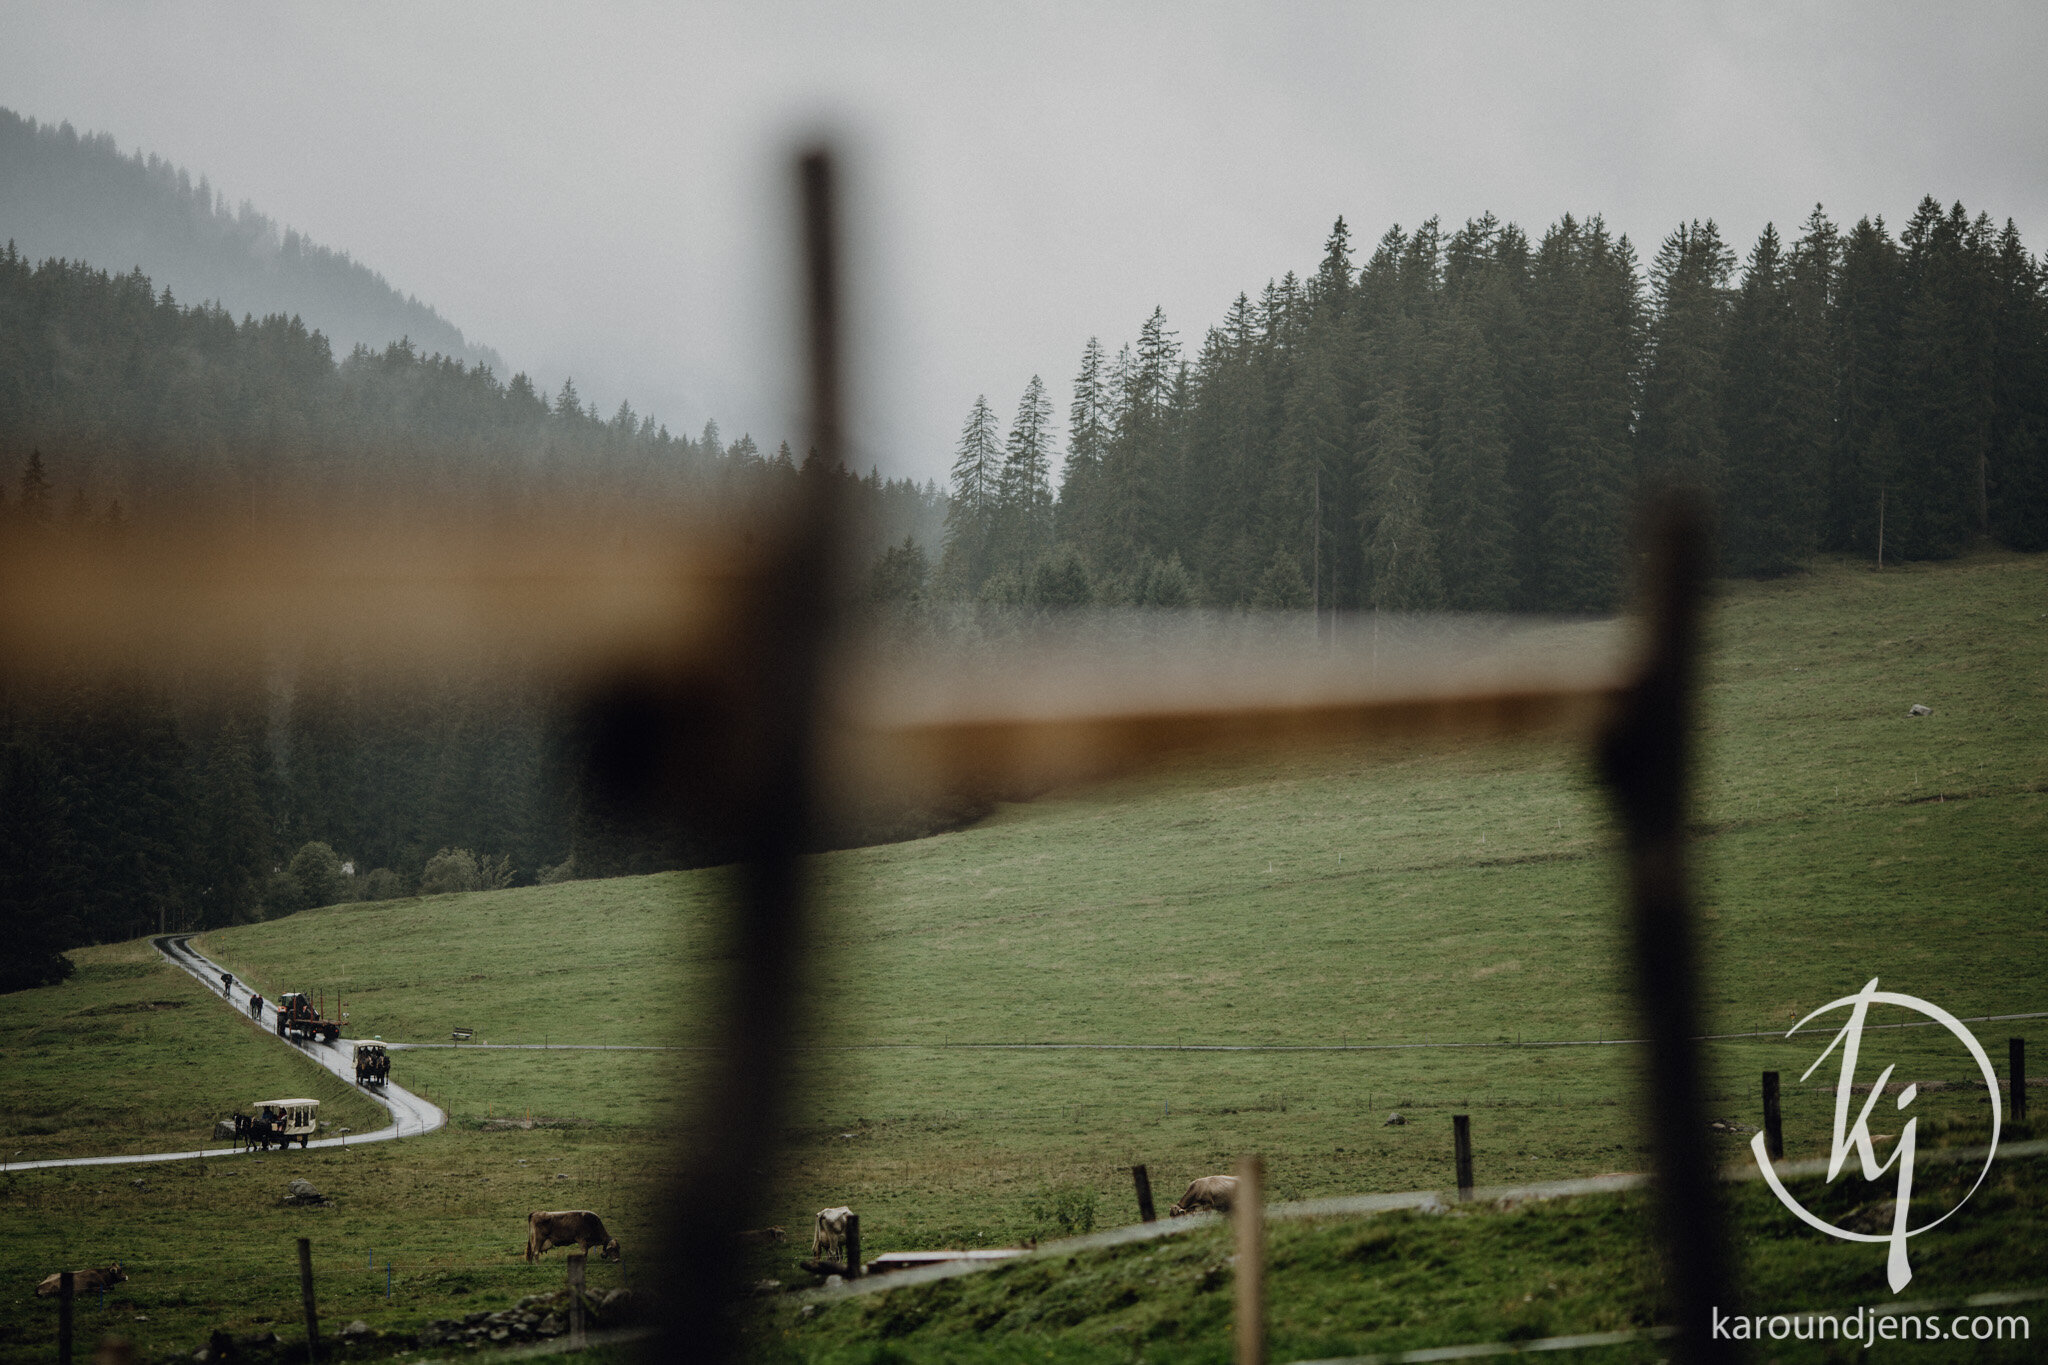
306 1298
2016 1058
1774 1123
65 1291
577 1339
852 1246
1645 753
1144 1184
1249 1213
1461 1144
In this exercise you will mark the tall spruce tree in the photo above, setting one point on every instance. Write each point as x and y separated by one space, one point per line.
970 517
1475 547
1863 468
1402 571
1680 439
1024 527
1774 418
1089 419
1588 455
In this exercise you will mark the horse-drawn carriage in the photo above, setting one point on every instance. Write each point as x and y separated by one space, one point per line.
373 1064
278 1122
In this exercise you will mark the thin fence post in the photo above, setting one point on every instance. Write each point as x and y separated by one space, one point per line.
1461 1143
577 1339
306 1298
1774 1123
65 1290
852 1246
2016 1058
1144 1183
1248 1213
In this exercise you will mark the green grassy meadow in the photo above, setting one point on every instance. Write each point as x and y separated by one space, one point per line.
1402 895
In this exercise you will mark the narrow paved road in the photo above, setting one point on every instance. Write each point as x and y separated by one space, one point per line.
410 1115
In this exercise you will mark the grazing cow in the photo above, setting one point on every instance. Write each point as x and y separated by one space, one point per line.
573 1227
828 1239
83 1282
1206 1192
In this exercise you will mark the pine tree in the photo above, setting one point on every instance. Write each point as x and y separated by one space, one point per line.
1864 334
1024 486
1470 493
1402 572
1591 402
1680 438
1774 418
970 517
1943 388
1088 426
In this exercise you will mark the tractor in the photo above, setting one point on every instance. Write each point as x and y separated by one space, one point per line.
299 1017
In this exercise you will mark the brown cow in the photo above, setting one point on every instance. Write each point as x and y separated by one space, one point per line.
83 1282
1206 1192
578 1227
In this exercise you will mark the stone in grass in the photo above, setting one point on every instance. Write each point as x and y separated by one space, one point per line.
301 1191
358 1328
1394 1121
1916 709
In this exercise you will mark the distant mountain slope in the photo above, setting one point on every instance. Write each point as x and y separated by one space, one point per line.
76 196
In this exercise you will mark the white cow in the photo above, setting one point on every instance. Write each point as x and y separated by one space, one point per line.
828 1241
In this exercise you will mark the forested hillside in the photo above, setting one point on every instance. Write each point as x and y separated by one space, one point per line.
76 197
1464 421
131 804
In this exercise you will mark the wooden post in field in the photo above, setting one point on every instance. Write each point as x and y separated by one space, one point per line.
1144 1184
1248 1213
65 1291
1461 1142
852 1246
577 1340
306 1298
1774 1123
2016 1056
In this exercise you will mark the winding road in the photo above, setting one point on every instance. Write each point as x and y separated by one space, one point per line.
410 1115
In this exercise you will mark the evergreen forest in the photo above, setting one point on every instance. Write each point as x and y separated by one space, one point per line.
1464 421
132 805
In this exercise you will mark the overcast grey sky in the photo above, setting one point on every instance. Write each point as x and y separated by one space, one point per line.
600 188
